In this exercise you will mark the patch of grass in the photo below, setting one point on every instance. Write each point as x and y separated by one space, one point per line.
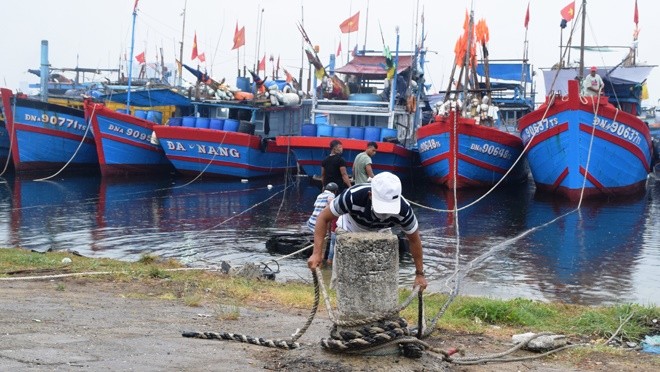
60 287
465 314
148 259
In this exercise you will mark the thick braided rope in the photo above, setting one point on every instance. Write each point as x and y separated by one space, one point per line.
281 344
277 343
364 338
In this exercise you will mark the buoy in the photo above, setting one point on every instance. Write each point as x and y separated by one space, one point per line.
269 187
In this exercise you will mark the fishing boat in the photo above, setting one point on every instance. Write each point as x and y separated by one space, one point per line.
123 140
4 143
358 112
46 137
467 144
232 138
584 146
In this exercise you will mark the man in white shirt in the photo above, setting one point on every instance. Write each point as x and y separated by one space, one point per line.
592 84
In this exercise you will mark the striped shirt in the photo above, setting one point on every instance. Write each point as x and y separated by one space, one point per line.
353 207
321 201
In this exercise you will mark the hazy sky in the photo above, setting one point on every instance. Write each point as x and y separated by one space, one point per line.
97 33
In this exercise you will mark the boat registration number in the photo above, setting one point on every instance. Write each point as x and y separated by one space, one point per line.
619 130
55 120
538 128
500 152
429 144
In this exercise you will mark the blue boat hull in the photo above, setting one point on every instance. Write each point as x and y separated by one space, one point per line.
607 154
48 137
219 153
123 143
464 154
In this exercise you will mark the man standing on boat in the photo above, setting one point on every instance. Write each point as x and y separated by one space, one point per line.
592 84
371 207
333 168
362 172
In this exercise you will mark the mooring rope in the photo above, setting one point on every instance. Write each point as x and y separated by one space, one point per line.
277 343
82 140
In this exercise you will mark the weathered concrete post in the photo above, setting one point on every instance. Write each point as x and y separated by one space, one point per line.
367 277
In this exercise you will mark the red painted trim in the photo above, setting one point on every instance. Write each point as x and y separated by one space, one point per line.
592 179
126 141
208 135
481 164
435 159
347 144
560 179
227 164
617 141
54 133
547 134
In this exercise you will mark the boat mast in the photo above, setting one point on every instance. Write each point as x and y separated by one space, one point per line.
468 58
183 34
130 61
584 16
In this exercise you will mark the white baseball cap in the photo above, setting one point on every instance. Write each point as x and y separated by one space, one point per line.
386 193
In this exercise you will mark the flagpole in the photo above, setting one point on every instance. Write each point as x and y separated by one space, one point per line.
130 62
350 14
366 25
183 34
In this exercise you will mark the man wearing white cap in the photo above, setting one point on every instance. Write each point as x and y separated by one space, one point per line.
372 207
592 84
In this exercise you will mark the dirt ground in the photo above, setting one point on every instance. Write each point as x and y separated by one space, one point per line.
79 324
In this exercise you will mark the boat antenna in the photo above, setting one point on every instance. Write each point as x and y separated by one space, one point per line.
130 61
261 19
183 33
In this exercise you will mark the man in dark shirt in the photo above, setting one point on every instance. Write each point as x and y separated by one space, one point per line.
333 168
372 207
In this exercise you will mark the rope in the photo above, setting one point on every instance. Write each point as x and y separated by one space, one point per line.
205 168
277 343
82 140
89 273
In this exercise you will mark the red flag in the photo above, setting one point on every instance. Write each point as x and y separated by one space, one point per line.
262 64
636 16
140 58
338 49
527 16
289 77
135 6
351 24
202 57
568 12
239 37
194 51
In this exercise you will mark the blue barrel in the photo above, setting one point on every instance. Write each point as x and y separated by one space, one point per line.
217 124
308 130
231 125
175 122
140 114
340 132
356 132
363 99
372 133
324 130
387 132
188 121
155 116
243 83
321 119
122 111
202 123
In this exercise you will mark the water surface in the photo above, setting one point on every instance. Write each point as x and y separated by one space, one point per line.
509 244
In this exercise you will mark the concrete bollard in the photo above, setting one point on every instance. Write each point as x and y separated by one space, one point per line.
367 277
